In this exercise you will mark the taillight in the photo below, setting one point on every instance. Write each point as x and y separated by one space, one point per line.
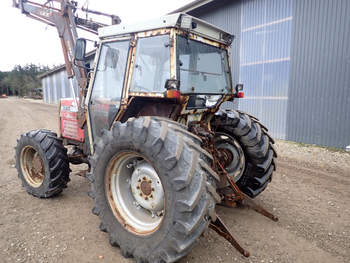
173 94
240 94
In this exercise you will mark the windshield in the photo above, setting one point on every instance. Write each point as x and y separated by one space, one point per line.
202 68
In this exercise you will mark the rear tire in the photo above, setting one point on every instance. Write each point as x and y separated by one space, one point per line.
42 163
257 145
188 182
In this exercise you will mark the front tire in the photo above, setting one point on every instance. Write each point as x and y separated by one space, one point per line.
189 188
42 163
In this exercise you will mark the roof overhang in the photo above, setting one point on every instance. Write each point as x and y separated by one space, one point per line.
191 6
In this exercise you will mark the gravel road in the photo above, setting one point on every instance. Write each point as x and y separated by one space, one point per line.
309 193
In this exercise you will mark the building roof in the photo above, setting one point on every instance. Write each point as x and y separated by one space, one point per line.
89 56
191 6
52 71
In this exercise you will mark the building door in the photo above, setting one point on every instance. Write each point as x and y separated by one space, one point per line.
266 27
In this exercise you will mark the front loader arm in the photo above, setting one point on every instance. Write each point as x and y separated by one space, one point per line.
61 14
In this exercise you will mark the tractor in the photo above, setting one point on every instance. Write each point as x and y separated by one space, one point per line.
154 121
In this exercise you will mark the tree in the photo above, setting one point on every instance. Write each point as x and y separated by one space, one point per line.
21 80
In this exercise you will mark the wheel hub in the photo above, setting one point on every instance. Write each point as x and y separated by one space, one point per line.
32 166
230 155
135 193
147 188
37 164
225 156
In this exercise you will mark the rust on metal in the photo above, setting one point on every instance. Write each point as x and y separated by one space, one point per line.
225 156
219 227
38 167
146 187
247 201
115 19
66 59
154 32
173 67
32 166
147 94
200 38
236 197
146 106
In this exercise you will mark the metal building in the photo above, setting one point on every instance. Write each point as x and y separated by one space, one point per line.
293 57
55 83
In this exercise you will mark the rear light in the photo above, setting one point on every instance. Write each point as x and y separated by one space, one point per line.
173 94
240 94
172 87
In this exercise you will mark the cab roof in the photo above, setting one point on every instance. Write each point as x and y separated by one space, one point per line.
178 20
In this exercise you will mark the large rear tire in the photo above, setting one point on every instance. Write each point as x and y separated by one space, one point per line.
246 135
152 148
42 163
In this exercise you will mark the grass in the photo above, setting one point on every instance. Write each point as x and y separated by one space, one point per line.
306 145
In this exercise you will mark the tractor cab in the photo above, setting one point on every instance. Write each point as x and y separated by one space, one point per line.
173 66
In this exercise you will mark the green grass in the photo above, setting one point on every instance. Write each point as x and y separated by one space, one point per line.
306 145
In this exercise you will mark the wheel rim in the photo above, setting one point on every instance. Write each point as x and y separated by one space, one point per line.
32 166
135 193
235 159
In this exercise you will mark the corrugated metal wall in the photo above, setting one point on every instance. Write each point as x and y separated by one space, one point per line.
264 60
319 94
294 62
56 86
260 54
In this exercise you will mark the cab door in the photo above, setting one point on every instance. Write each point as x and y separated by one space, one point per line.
107 88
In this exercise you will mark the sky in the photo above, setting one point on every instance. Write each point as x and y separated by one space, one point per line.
24 40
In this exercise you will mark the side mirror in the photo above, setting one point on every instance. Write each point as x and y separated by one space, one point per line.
238 91
80 49
238 88
112 57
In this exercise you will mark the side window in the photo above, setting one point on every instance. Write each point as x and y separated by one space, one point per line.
152 64
108 86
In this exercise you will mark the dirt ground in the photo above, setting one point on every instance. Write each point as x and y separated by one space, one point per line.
309 193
